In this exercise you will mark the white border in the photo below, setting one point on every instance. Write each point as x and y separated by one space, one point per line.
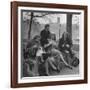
51 78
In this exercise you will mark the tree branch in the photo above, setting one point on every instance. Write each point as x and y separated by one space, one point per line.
39 15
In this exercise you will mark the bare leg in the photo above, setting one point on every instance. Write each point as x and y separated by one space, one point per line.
47 67
51 63
69 66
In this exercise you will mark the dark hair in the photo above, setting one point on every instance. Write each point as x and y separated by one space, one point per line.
47 25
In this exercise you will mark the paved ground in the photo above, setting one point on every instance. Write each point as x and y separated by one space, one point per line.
67 71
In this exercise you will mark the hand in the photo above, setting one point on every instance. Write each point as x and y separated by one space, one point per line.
63 45
66 51
67 45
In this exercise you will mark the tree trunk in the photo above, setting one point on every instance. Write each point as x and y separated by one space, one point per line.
69 24
30 25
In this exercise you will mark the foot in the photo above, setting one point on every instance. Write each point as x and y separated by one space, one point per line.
70 67
58 70
46 74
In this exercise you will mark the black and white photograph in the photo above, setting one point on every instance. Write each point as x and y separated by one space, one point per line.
50 43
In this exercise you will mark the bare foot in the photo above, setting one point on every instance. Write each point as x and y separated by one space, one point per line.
70 67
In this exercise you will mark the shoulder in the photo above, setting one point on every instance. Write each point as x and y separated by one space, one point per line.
55 51
42 31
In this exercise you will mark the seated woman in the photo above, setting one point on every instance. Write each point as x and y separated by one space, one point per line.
41 60
65 44
54 59
29 53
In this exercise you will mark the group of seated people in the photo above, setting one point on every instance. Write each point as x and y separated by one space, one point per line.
47 54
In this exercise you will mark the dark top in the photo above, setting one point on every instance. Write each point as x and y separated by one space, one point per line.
65 42
45 35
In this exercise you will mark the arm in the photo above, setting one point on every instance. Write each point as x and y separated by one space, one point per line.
41 33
